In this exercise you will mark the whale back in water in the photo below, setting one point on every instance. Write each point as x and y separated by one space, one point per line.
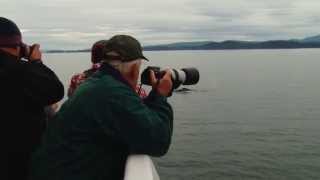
182 90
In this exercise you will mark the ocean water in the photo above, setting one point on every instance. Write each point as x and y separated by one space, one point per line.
255 114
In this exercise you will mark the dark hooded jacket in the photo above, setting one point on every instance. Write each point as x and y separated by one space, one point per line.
26 88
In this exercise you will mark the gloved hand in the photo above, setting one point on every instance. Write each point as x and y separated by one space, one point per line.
164 85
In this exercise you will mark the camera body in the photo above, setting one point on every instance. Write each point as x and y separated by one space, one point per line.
26 50
184 76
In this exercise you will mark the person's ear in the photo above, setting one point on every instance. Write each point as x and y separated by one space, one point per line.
134 72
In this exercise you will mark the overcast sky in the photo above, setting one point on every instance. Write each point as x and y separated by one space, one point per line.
74 24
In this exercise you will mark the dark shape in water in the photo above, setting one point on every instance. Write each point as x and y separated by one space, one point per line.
183 90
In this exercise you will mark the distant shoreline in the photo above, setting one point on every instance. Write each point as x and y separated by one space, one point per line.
225 45
88 51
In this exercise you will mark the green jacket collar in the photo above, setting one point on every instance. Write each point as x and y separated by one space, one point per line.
107 69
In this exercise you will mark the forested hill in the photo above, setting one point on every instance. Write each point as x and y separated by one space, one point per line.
309 42
276 44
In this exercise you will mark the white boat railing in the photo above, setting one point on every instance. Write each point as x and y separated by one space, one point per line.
140 167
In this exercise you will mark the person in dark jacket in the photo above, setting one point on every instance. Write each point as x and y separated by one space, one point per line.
105 120
27 86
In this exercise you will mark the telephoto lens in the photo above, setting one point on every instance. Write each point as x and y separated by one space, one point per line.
184 76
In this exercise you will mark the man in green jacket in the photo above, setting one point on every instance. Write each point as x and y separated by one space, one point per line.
105 121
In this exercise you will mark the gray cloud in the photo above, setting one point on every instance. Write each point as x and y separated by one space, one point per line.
76 24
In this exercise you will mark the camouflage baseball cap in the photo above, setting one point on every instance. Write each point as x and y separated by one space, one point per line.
127 47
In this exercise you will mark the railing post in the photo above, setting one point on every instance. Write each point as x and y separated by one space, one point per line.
140 167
